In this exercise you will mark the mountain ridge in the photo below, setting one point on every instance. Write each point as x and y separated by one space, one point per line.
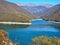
52 14
11 12
35 9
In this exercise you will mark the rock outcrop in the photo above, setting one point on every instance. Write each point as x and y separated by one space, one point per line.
4 39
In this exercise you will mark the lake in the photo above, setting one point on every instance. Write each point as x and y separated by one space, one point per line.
38 28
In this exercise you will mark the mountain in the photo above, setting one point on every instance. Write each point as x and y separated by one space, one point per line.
19 4
52 14
35 8
31 4
46 5
10 12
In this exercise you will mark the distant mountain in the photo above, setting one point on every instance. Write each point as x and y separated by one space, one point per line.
52 14
10 12
46 5
46 12
35 8
31 4
20 4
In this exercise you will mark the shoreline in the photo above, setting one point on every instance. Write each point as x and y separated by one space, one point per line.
15 23
36 19
53 21
25 23
45 20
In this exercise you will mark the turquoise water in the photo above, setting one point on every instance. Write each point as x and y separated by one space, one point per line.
37 28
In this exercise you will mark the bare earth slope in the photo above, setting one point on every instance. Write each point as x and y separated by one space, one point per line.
10 12
52 14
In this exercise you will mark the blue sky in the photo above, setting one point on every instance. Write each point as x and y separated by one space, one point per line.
37 1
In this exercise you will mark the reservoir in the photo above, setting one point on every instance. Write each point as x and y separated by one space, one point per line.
38 28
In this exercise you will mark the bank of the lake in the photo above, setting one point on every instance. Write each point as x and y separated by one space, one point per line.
4 25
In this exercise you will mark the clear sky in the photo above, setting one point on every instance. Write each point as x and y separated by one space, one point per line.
37 1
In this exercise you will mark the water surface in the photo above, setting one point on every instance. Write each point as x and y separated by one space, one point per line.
37 28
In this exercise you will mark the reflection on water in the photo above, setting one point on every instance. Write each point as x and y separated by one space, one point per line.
37 28
12 26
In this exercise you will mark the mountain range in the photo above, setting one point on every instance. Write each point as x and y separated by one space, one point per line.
45 11
34 8
17 12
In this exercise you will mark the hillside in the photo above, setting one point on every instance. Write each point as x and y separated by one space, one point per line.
52 14
10 12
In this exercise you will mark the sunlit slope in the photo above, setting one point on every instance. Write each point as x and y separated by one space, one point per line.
10 12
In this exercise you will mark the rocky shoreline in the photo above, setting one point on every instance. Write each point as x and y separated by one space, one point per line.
4 39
